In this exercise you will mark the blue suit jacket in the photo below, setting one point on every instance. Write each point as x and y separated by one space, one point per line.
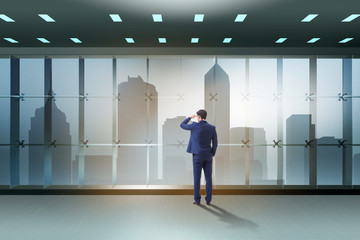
202 134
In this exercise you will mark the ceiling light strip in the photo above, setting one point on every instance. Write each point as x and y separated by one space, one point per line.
351 18
6 18
157 17
313 40
11 40
346 40
281 40
43 40
194 40
199 17
76 40
46 17
240 18
309 17
115 17
129 40
227 40
162 40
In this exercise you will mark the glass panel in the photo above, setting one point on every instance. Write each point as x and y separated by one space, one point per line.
65 77
296 120
177 163
4 77
329 163
98 77
260 157
235 167
356 121
175 99
329 108
297 165
98 165
5 121
65 121
263 87
63 165
4 101
132 165
98 108
132 105
32 121
32 165
231 109
32 77
356 165
4 165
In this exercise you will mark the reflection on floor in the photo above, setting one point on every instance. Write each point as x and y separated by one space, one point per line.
175 217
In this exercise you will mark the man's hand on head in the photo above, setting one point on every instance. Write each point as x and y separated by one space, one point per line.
192 116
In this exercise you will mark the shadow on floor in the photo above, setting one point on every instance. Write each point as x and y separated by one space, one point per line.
229 218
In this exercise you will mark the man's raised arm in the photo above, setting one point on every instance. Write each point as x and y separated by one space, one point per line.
184 124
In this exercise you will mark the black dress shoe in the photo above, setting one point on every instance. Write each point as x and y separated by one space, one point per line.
196 203
207 203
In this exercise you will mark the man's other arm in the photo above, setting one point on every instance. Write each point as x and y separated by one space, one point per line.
186 126
214 143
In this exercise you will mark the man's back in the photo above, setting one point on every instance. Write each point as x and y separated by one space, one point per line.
202 134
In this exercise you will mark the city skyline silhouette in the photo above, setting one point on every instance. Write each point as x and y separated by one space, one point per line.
140 98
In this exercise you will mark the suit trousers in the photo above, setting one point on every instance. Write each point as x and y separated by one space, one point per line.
202 161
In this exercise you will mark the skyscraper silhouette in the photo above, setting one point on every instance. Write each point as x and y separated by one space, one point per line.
217 104
61 156
138 124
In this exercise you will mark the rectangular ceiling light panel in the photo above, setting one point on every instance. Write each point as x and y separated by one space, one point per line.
281 40
351 17
46 17
309 17
313 40
346 40
199 17
194 40
115 17
11 40
43 40
240 17
75 40
129 40
157 17
162 40
6 18
227 40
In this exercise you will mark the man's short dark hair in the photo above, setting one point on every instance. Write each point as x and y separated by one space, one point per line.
202 113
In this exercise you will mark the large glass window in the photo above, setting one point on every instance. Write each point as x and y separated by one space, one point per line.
133 107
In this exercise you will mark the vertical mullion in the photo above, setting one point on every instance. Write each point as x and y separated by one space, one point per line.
347 122
147 124
114 128
280 159
312 128
15 122
47 121
247 130
81 122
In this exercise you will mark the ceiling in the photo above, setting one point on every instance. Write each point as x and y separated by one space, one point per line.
266 21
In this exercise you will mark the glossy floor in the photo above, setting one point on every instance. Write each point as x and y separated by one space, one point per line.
175 217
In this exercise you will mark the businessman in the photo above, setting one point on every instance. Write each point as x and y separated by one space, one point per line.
202 144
